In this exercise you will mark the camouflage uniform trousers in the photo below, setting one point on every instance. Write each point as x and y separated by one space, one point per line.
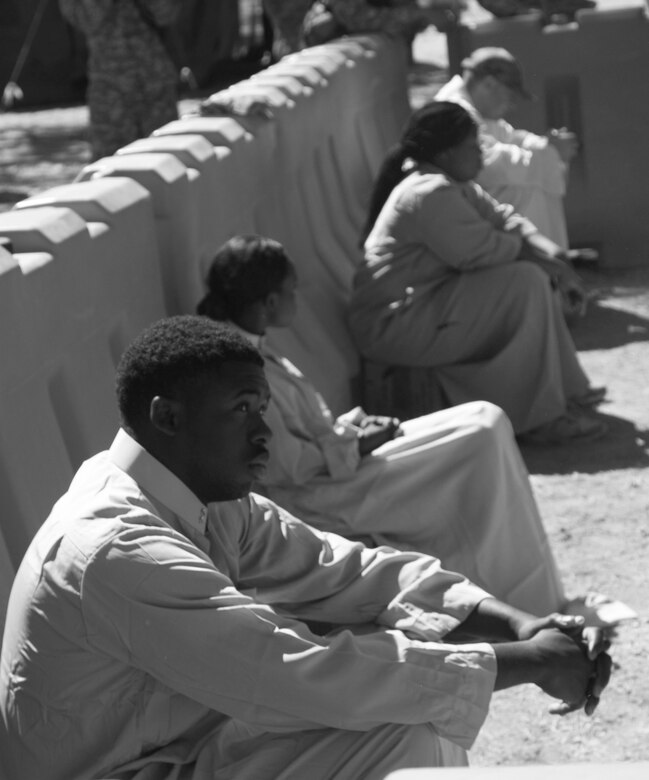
132 83
286 17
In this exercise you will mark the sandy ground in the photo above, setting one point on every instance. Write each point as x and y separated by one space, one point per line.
593 497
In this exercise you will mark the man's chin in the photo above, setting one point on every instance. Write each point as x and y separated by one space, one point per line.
232 492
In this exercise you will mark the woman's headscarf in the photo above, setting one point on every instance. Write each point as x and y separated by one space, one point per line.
431 130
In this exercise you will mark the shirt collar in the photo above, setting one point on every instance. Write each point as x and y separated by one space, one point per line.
158 481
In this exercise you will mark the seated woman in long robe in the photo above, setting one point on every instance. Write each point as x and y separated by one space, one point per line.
451 483
455 280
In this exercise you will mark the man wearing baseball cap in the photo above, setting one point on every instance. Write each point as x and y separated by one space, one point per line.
520 167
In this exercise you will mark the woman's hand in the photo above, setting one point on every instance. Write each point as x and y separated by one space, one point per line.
375 431
393 423
552 259
571 290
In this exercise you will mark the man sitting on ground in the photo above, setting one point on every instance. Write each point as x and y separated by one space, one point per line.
152 633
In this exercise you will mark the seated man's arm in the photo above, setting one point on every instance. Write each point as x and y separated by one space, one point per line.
555 652
509 161
157 605
351 584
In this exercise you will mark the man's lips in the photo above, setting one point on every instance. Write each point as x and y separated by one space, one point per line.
260 459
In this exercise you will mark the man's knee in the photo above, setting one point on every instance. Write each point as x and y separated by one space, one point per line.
420 746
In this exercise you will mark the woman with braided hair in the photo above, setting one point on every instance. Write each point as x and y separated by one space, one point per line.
455 280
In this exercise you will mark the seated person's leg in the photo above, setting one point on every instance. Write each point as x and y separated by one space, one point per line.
459 490
330 754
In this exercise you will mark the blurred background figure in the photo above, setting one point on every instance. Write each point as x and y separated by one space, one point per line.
521 168
132 72
299 23
553 11
286 18
393 17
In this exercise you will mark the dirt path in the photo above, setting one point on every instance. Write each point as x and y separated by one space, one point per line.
593 497
595 504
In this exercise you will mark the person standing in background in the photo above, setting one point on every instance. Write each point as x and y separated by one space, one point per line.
293 20
132 78
286 18
393 17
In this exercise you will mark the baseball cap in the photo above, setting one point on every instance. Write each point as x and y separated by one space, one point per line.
499 63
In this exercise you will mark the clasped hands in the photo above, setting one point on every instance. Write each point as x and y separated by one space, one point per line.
571 289
574 659
375 430
555 261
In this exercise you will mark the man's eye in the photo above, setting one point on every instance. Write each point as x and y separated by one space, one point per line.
244 406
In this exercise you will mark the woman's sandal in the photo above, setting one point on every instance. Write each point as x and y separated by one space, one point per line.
567 428
592 397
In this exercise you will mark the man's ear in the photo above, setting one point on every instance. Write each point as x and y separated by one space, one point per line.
166 415
270 302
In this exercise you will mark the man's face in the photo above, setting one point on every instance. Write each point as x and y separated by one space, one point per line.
502 99
222 438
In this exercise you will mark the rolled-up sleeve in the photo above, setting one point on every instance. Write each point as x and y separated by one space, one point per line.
163 606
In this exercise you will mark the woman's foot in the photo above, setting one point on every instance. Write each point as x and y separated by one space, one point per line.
569 427
592 397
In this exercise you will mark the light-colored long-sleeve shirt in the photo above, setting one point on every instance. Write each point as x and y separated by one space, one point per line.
453 485
429 229
441 286
511 156
520 167
145 628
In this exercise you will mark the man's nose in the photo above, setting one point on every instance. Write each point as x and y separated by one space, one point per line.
261 431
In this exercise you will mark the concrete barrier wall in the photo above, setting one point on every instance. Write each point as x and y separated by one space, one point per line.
302 177
79 286
96 260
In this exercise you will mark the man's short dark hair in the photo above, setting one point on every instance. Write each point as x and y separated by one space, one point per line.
170 356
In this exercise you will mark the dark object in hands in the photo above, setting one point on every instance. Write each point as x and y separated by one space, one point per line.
376 431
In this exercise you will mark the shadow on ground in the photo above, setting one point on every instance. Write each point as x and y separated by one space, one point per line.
608 327
624 447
